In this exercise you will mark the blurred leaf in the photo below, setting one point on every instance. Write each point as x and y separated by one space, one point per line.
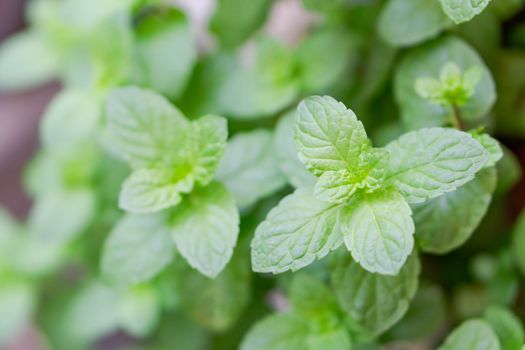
473 334
507 326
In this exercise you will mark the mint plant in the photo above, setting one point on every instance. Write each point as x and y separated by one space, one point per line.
362 193
197 186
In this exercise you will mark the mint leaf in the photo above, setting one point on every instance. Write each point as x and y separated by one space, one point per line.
249 167
60 216
328 135
310 297
472 334
284 148
507 327
209 140
463 10
298 231
446 222
376 302
151 190
204 228
429 162
408 22
337 339
141 126
60 130
18 68
17 302
378 230
138 248
492 146
158 36
518 242
216 303
427 61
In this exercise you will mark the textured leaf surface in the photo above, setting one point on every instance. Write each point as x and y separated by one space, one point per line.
144 128
472 335
408 22
374 301
429 162
507 327
446 222
205 228
463 10
151 190
328 135
427 61
137 249
249 167
298 231
378 231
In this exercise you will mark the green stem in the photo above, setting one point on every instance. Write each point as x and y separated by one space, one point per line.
456 118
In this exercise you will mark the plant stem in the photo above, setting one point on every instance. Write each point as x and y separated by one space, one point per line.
456 118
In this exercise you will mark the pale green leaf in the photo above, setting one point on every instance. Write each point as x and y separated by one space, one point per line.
166 51
378 230
492 146
284 149
298 231
473 334
205 227
277 332
139 311
209 135
27 60
408 22
507 327
427 61
336 339
249 167
328 135
463 10
60 216
310 297
137 249
376 302
151 190
73 116
446 222
17 302
429 162
144 129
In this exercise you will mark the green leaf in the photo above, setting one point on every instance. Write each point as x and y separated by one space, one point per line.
19 69
463 10
298 231
73 116
137 249
233 30
139 311
17 302
277 332
427 61
217 303
507 327
429 162
376 302
472 334
205 227
492 146
249 167
409 22
284 149
337 339
209 139
151 190
378 230
509 172
141 126
446 222
160 36
518 242
328 135
92 313
60 216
